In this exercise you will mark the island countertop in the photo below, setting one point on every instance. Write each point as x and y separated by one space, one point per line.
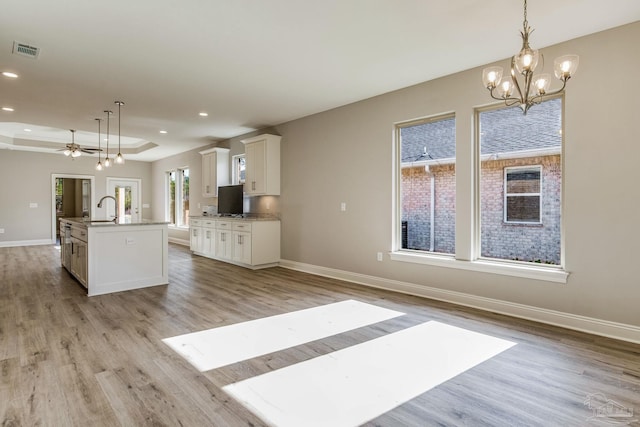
85 222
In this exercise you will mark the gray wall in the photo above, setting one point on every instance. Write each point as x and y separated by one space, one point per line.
345 155
27 179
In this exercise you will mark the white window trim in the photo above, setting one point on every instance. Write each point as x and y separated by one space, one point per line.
539 194
505 268
548 273
179 194
235 178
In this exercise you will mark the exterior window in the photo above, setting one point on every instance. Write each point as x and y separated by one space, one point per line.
522 194
427 185
521 182
178 197
239 167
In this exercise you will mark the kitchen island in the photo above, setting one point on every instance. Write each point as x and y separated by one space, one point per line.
106 257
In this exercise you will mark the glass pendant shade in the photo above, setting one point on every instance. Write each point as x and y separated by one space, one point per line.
491 77
99 166
542 83
505 89
565 66
119 159
67 152
526 60
76 153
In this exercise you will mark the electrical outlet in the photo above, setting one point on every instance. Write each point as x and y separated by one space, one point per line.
33 205
1 230
343 206
379 256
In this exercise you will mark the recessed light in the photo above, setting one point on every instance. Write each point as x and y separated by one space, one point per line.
27 130
10 74
203 114
7 109
163 131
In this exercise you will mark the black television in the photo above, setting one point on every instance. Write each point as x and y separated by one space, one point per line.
230 200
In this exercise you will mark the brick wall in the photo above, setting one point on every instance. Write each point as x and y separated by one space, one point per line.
526 242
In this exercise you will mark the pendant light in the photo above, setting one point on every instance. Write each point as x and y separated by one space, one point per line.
107 160
99 165
119 158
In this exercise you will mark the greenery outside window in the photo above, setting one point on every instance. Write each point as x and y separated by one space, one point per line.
177 208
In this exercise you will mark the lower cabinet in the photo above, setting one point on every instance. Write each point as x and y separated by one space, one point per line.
249 243
79 260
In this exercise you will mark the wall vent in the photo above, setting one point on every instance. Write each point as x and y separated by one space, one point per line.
25 50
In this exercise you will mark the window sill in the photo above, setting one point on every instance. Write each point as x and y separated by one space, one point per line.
548 274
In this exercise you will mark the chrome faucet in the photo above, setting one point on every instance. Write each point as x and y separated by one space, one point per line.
115 219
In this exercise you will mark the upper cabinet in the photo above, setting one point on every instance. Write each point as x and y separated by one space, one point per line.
215 170
262 173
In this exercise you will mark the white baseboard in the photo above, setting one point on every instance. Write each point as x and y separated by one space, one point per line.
26 243
177 241
590 325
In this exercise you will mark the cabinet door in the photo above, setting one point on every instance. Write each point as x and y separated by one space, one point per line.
209 238
195 239
79 260
242 247
223 244
209 185
255 182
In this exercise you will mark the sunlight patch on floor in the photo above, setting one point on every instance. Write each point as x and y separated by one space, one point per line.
225 345
354 385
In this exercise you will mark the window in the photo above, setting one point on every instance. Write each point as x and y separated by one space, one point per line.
178 197
520 183
522 194
239 167
427 190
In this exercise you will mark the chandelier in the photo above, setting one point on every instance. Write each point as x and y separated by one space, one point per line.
529 90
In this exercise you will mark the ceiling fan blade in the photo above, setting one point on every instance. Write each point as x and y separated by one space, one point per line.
91 150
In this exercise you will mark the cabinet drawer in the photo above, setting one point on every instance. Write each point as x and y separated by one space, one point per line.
79 233
223 225
196 222
209 224
242 226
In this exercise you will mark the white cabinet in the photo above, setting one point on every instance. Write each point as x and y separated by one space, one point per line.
79 264
208 246
224 240
195 235
249 243
215 170
262 157
242 242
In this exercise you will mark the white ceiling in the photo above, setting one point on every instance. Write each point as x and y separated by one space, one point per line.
247 63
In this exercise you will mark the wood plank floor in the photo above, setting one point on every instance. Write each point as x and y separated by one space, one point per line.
66 359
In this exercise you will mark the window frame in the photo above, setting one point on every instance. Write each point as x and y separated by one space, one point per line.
397 217
467 256
179 198
538 194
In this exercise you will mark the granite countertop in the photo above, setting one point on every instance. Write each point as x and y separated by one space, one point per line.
256 217
86 222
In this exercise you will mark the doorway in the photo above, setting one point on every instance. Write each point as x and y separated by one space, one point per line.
72 196
128 193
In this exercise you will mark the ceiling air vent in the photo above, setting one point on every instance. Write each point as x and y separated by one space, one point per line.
25 50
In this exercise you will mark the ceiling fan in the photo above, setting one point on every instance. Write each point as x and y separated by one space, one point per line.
74 150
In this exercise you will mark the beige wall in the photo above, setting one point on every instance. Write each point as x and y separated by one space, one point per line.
27 179
344 155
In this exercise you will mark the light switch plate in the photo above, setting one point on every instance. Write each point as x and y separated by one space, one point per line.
33 205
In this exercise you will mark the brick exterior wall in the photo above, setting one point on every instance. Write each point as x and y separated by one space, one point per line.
525 242
416 201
